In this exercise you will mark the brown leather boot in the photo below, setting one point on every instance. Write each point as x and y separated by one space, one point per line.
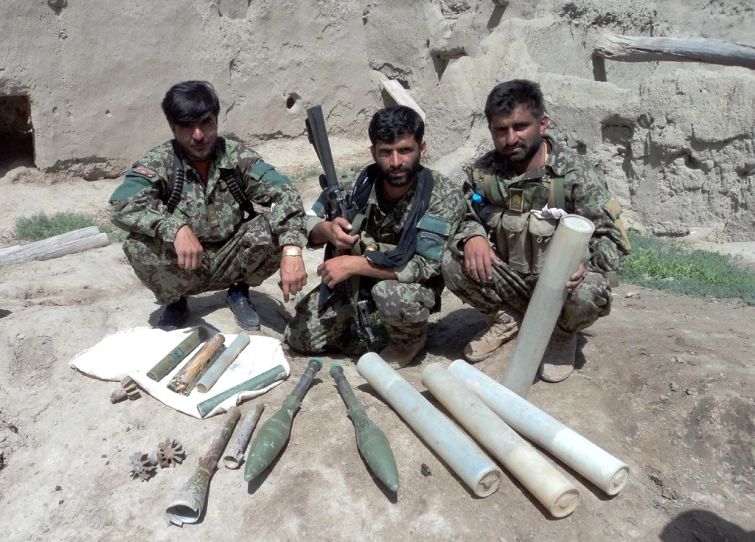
558 360
503 326
402 355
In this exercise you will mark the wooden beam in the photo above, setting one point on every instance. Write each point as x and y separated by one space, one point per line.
54 247
401 96
646 49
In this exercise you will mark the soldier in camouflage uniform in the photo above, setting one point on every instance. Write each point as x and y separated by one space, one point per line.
514 197
187 206
404 205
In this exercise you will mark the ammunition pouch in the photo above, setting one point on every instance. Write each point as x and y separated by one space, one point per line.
526 239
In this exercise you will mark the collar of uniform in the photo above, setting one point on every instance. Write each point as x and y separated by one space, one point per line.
225 154
406 197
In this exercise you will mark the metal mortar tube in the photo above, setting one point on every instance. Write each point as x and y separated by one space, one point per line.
177 355
218 368
274 433
564 254
237 448
188 505
188 372
371 441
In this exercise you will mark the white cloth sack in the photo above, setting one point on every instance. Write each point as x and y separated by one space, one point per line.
135 351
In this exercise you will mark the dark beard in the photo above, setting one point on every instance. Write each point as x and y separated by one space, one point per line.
528 155
410 174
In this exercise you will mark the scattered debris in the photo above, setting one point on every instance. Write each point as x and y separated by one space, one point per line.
690 391
126 390
674 386
169 453
425 470
632 294
2 458
143 466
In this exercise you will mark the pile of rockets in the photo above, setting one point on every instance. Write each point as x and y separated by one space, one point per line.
494 415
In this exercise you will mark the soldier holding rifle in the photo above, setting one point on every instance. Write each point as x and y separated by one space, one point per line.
407 214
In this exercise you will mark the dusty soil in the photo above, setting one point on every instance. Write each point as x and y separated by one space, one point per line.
665 383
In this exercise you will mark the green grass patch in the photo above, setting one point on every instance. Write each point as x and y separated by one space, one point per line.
41 226
665 265
305 175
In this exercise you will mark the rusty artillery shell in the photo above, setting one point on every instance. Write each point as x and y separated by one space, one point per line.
237 448
274 433
212 375
371 441
178 354
189 372
213 360
126 390
188 504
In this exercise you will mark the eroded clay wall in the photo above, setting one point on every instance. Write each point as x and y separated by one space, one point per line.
674 139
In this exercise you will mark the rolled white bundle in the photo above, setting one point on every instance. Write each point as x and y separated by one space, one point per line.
459 452
554 491
591 461
564 254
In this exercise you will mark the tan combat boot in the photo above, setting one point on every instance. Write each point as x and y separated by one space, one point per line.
402 356
558 360
503 326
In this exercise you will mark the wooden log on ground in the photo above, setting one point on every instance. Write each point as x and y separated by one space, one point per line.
401 96
54 247
646 49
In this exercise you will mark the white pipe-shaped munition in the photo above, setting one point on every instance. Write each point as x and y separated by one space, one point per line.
564 254
554 491
459 452
589 460
222 363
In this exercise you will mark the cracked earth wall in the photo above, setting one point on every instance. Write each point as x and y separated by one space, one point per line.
674 139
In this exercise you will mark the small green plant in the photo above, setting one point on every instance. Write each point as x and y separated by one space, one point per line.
303 176
666 265
41 226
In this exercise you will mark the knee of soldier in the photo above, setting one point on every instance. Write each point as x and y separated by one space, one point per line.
384 294
592 295
294 338
452 268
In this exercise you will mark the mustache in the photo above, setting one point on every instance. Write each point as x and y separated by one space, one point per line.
402 169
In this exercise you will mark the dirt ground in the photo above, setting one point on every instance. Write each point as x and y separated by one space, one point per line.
665 383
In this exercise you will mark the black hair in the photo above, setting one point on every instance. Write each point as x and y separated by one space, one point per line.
391 123
506 97
190 101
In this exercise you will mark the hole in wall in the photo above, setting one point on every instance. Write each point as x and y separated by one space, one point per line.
16 132
292 99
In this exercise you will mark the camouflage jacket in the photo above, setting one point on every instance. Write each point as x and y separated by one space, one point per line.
383 226
139 204
586 194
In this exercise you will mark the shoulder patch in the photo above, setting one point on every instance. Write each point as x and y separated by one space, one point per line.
144 171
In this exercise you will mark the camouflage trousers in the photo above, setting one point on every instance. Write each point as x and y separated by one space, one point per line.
250 255
583 306
403 309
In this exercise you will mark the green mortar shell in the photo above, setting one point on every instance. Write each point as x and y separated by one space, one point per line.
271 438
371 441
274 433
258 382
178 354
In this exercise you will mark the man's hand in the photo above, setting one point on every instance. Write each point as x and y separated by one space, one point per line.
336 232
293 275
188 248
576 278
478 259
338 269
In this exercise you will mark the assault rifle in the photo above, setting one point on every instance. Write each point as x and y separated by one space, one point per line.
335 206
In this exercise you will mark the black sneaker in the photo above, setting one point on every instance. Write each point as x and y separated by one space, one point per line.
174 315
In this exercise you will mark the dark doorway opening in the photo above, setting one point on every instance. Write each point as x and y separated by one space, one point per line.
16 133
